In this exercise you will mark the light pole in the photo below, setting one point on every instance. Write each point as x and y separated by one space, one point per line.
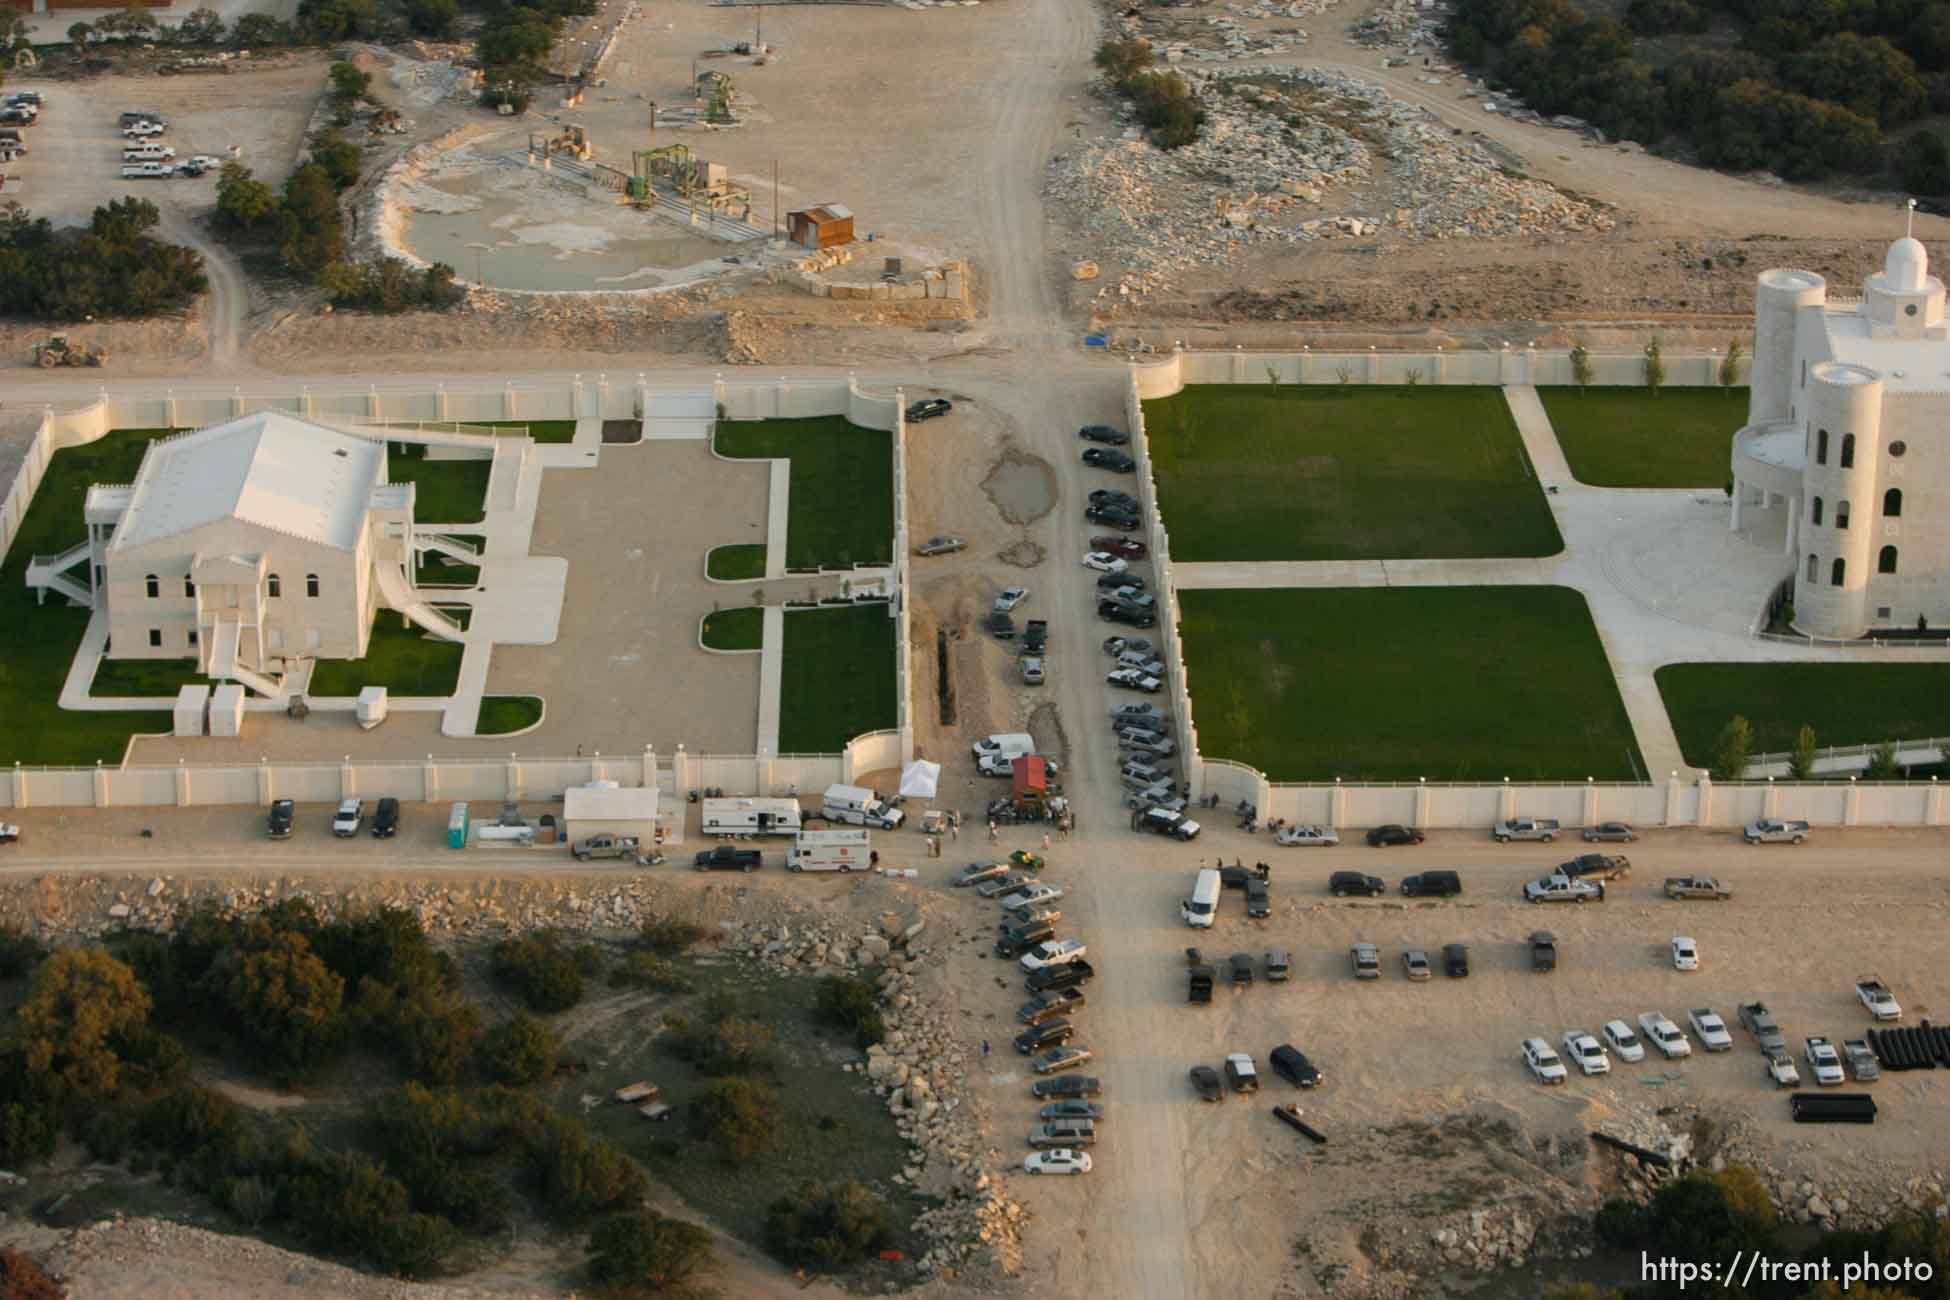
479 279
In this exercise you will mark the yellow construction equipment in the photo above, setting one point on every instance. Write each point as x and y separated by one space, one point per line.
573 141
57 351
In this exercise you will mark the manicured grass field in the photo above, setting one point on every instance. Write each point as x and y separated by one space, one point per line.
837 679
739 563
1344 473
38 642
403 659
734 629
1397 683
1846 704
842 506
123 677
539 430
1627 438
501 714
447 491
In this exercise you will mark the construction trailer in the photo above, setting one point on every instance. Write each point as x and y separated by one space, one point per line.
826 226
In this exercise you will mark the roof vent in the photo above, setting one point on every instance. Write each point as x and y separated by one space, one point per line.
1897 373
340 453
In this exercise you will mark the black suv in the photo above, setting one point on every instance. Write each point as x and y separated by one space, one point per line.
1291 1064
1117 611
1050 978
1001 626
928 409
279 823
1432 884
1103 433
1455 960
1114 581
1104 458
1124 521
1382 836
385 820
1259 899
1015 940
1343 883
1113 497
1051 1033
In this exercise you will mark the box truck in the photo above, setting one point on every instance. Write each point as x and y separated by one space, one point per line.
830 851
751 817
858 806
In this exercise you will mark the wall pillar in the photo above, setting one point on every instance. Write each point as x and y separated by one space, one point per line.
265 792
507 401
372 403
1933 804
1739 504
440 402
1705 817
649 767
348 779
1438 368
1771 804
1505 374
602 396
1590 802
236 402
1790 543
1673 789
1305 369
430 779
171 415
20 785
717 393
1852 803
182 784
1337 805
1238 364
1422 801
511 779
1506 801
681 772
575 397
101 785
1374 365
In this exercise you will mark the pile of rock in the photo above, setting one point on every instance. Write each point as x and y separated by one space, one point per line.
1401 24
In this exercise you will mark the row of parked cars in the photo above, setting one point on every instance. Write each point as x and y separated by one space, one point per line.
347 820
146 156
19 111
1828 1066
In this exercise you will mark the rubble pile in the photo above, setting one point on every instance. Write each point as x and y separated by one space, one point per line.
1412 25
1294 155
1218 37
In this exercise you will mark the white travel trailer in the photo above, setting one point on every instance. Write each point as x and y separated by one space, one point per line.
752 816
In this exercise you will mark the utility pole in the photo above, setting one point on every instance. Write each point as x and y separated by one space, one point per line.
775 198
758 22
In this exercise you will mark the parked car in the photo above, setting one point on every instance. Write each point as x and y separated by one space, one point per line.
1556 888
1279 965
1070 1085
1117 497
1610 833
1711 1030
1000 626
1119 646
1241 965
1415 964
1007 883
1759 1021
1385 836
1117 462
1206 1083
1664 1035
945 544
1695 887
1010 597
147 171
1063 1160
1064 1133
283 815
1619 1037
385 819
1123 548
1103 433
1057 1110
1772 830
1070 975
1132 679
1163 821
1345 884
1432 884
928 409
1049 1033
1240 1072
1015 940
1103 562
1059 1058
1525 828
1120 584
1780 1068
1543 951
1367 961
1875 996
1861 1061
1118 612
1455 960
348 819
1056 952
1259 899
1307 837
977 872
1824 1062
1032 671
1597 866
1291 1064
1034 896
726 858
1149 714
1543 1062
1685 953
1586 1052
1113 517
1044 1006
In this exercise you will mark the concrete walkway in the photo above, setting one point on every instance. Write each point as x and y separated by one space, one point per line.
771 671
777 515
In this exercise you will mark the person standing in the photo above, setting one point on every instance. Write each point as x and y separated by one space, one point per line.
1046 841
993 837
985 1047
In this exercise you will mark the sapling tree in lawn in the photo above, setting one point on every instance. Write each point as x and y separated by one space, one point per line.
1655 367
1801 761
1581 366
1882 763
1730 365
1731 752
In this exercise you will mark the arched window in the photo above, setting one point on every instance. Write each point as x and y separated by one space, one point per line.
1836 572
1815 519
1841 514
189 586
1811 569
311 584
274 586
1821 446
153 585
1886 561
1892 503
1848 451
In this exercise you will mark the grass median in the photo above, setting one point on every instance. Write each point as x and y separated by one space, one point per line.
734 629
837 679
1846 704
841 510
1626 438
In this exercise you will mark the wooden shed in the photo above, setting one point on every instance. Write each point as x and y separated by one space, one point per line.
825 226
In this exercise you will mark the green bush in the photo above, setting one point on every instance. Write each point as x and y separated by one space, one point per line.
735 1115
667 936
521 1051
720 1042
647 971
113 266
20 952
1120 60
826 1226
1164 100
581 1174
289 1002
539 969
346 1204
848 1002
647 1251
1924 163
348 81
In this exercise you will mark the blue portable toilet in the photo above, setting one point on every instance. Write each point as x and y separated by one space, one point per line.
457 827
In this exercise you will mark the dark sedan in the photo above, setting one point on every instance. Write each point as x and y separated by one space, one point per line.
1103 433
1051 1033
1343 883
1610 833
1068 1085
1112 517
928 409
1104 458
1385 836
1205 1082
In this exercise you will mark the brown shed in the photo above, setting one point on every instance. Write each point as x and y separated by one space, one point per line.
825 226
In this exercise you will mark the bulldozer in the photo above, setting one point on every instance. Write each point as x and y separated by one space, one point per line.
57 351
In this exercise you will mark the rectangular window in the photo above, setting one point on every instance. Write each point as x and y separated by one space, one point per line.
155 638
1882 611
192 636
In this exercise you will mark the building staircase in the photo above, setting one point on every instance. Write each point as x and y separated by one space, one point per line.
47 573
221 646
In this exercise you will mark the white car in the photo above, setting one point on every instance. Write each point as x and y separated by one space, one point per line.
1104 562
1619 1037
1010 598
1825 1061
1712 1030
1063 1160
1034 896
1587 1051
1053 952
1133 680
1307 836
1780 1068
1543 1062
1664 1035
1685 953
345 822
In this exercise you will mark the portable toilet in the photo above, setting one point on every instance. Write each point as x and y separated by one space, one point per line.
457 827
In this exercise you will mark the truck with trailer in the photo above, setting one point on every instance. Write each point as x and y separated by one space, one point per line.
847 850
858 806
750 816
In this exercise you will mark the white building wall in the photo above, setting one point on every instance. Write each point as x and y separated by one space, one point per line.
1844 402
1778 300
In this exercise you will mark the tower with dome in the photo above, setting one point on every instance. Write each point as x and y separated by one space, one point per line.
1844 462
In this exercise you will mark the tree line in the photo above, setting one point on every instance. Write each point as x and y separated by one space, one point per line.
111 267
1809 90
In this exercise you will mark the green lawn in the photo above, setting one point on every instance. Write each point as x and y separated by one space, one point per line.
403 659
837 678
1846 704
738 563
842 507
539 430
122 677
734 629
438 570
1344 473
1396 683
1627 438
501 714
448 491
38 643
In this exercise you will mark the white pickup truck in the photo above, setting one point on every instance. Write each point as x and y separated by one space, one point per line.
1526 828
134 171
1878 999
1560 888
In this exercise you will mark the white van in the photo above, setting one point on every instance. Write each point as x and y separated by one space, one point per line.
830 851
858 806
1010 744
1202 908
750 817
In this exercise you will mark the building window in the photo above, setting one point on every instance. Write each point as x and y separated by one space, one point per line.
192 636
1811 568
155 638
1821 446
1892 503
1909 309
1837 571
1815 519
153 585
189 587
1848 451
311 585
274 586
1886 561
1882 611
1897 448
1841 514
1804 374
